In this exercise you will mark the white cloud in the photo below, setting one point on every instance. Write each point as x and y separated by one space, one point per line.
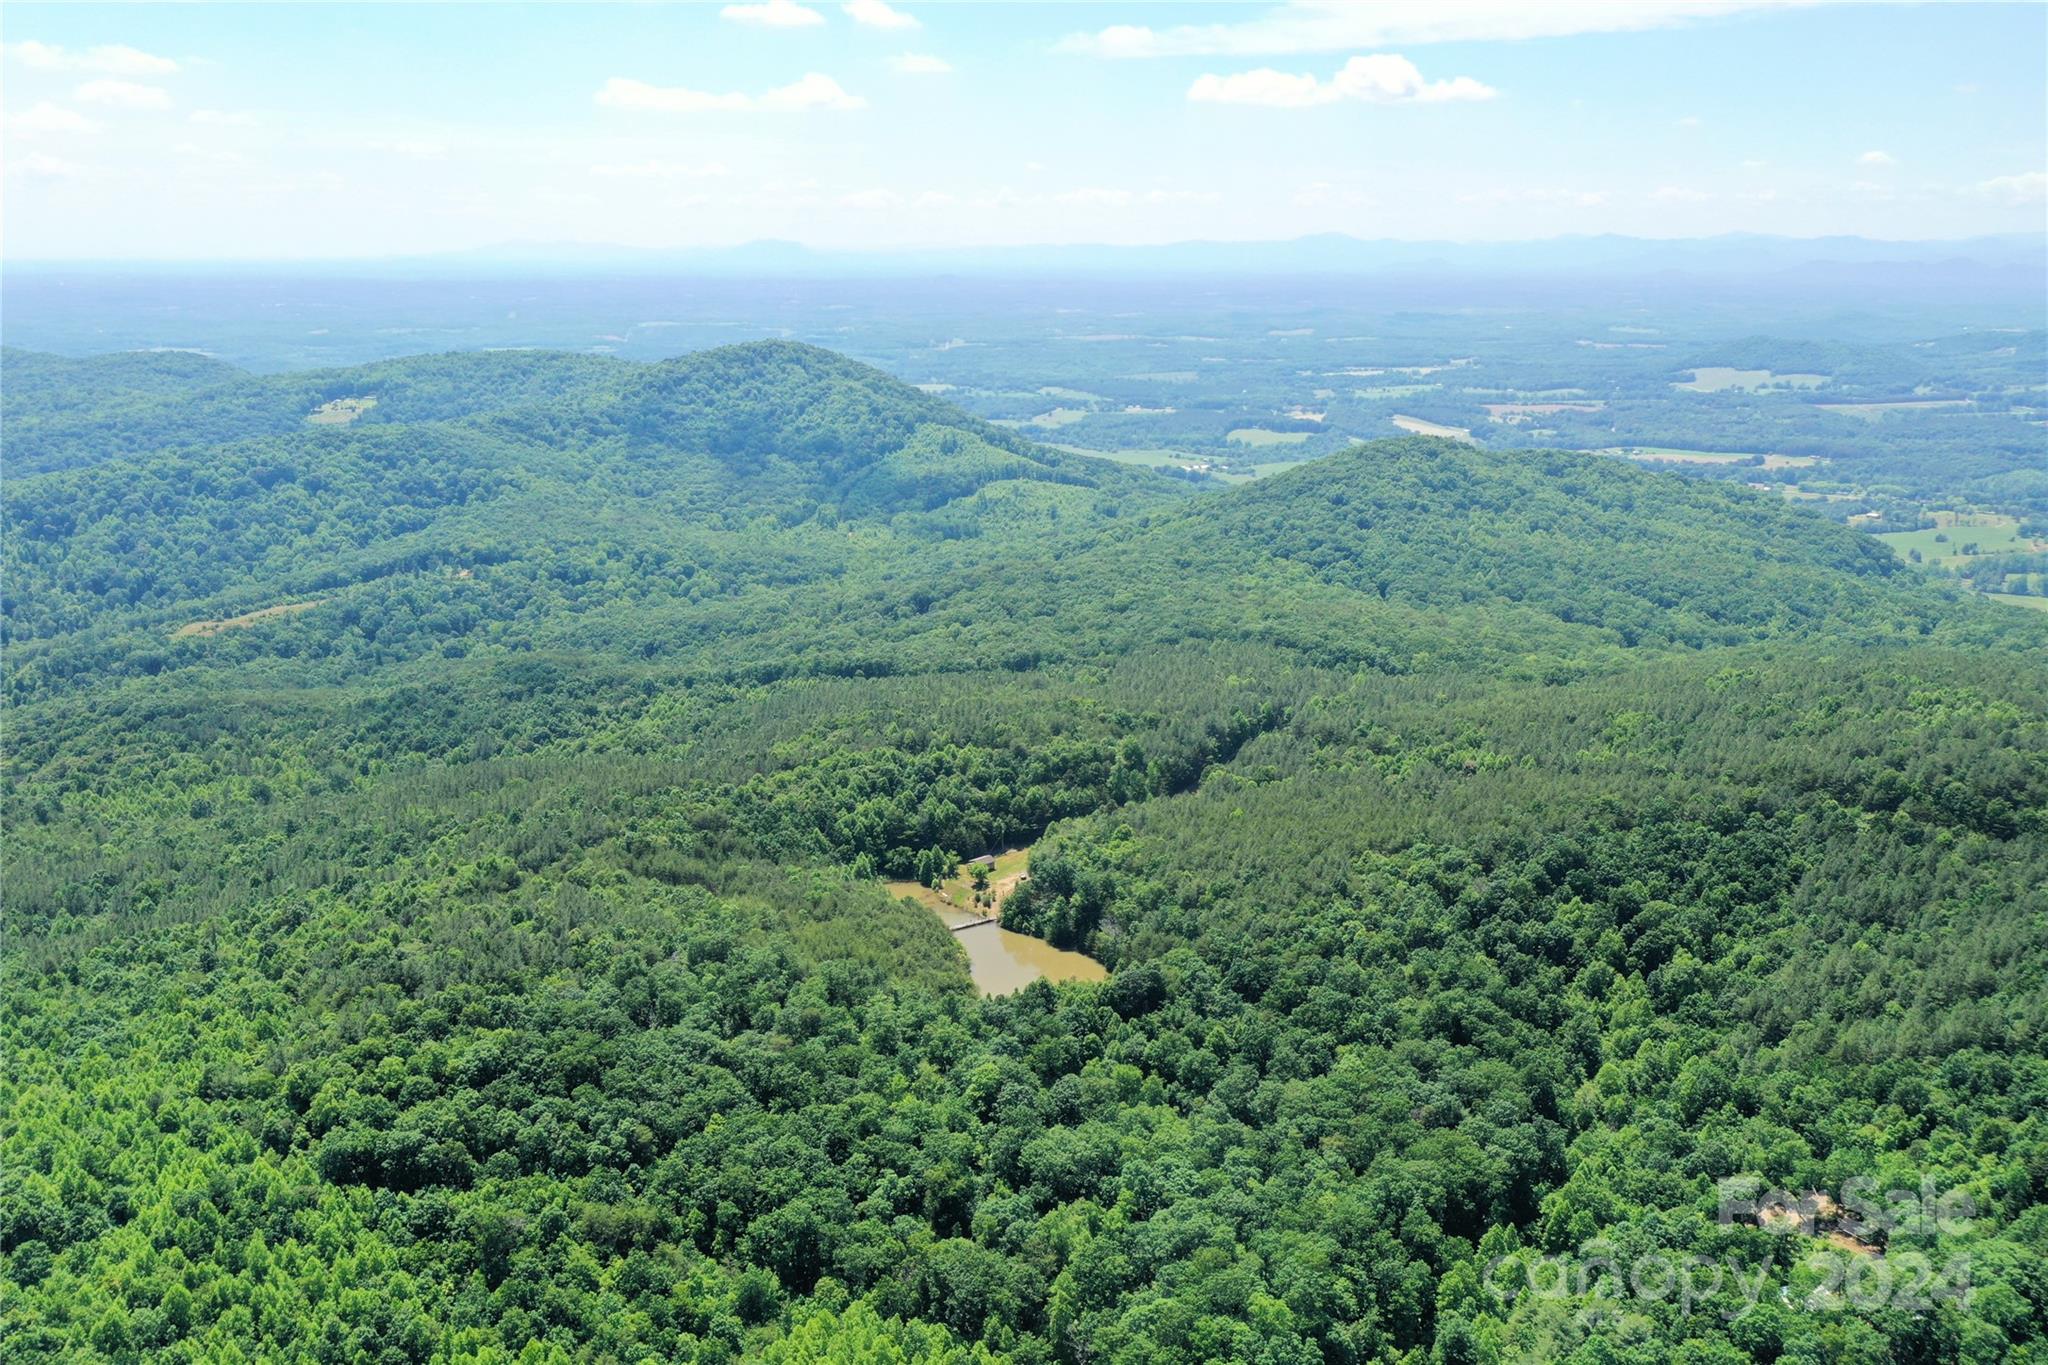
1679 194
813 91
195 152
2025 188
878 14
1099 196
919 64
123 95
1380 79
1322 194
46 167
1334 25
1539 194
658 170
1690 121
46 117
223 118
869 199
1877 159
112 59
773 14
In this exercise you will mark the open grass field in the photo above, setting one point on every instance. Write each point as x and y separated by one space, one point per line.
340 411
1259 436
1510 412
1059 417
955 897
1426 428
246 619
1874 412
1152 457
2033 603
1944 543
1672 455
1718 378
1389 392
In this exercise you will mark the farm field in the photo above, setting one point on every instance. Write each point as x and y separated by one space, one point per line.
1943 544
1719 378
1387 393
1260 436
1672 455
1149 458
339 412
1059 417
1519 412
1422 427
1873 412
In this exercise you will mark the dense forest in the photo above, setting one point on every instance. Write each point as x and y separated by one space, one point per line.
448 803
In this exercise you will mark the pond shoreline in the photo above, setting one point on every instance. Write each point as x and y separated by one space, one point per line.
1001 961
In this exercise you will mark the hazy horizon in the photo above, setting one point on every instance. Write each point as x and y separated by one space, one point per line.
296 133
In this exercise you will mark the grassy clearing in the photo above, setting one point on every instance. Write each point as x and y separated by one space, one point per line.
1059 417
1514 414
1259 436
1673 455
1266 467
339 412
956 898
1874 412
1426 428
246 619
1388 392
2032 603
1958 536
1718 378
1156 457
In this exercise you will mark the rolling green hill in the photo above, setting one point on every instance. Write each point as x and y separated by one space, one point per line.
445 910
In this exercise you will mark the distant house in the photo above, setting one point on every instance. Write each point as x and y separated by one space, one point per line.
987 860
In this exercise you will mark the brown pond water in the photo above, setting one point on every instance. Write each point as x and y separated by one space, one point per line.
1000 961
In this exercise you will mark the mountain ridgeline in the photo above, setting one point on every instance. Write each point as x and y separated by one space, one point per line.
448 803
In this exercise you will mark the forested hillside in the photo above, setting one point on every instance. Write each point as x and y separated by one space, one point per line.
448 803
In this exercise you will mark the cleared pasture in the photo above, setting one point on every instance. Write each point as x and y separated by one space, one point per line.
1720 378
1874 412
1990 533
246 619
1422 427
339 412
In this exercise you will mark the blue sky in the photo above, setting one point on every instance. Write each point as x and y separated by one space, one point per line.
284 131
